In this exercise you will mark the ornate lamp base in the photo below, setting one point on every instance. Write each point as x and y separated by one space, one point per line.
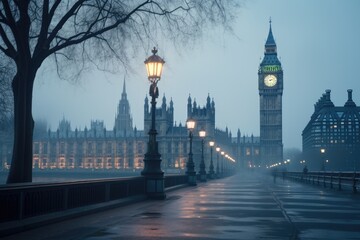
203 177
192 179
155 188
154 177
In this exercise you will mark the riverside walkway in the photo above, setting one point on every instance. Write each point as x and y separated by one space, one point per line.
244 206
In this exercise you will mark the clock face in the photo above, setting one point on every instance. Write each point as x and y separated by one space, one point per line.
270 80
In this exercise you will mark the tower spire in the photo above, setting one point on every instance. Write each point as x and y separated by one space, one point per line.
123 94
270 45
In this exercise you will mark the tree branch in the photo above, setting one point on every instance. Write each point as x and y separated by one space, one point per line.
64 19
43 30
10 51
9 17
87 35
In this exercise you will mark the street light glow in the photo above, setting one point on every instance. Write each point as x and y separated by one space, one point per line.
154 65
190 124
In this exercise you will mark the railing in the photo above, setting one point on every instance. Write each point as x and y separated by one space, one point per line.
20 201
338 180
175 180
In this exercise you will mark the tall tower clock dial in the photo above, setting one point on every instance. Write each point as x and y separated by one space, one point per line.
270 81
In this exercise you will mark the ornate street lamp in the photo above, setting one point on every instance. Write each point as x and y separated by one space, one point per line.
190 124
152 161
211 169
202 171
217 162
222 163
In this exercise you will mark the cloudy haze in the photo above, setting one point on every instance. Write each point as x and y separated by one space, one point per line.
317 43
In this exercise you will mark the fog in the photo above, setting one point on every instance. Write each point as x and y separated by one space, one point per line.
317 43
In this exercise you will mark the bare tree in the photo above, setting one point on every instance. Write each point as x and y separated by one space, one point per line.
6 98
87 31
6 104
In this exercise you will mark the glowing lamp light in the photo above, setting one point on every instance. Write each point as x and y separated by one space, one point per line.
202 133
154 65
190 124
217 149
211 143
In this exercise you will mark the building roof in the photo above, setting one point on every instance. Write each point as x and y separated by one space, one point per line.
270 57
326 112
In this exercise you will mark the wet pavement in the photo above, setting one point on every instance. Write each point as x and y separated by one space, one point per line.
245 206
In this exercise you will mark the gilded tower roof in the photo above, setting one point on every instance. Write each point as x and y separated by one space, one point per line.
270 57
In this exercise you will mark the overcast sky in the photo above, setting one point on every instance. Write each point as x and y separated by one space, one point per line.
318 45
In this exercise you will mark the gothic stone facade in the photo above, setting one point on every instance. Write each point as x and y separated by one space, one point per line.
124 146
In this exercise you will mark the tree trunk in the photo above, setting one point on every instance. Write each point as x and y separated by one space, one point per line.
21 165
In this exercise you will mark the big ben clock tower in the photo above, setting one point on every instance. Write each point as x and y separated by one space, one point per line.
270 91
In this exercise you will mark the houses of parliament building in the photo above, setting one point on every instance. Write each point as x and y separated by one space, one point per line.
124 146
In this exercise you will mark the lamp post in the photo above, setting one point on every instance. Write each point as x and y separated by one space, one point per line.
217 162
152 161
211 168
190 124
226 163
202 171
222 163
322 151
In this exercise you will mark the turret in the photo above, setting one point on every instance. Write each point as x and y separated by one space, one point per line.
238 136
189 107
194 105
327 99
171 105
146 106
163 105
350 102
208 102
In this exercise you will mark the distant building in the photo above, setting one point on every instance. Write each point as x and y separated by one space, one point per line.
331 139
124 146
248 150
